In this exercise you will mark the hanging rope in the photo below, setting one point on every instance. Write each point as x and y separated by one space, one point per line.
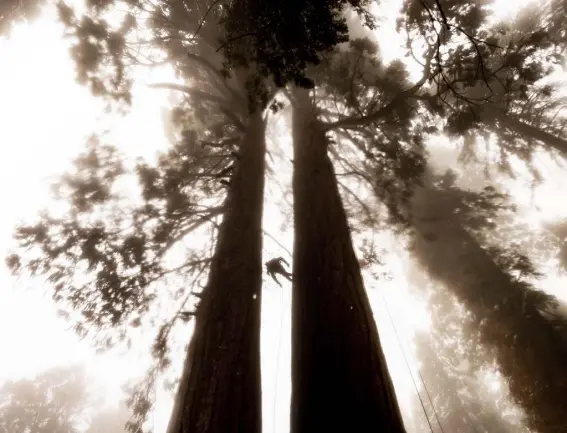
407 364
278 362
426 390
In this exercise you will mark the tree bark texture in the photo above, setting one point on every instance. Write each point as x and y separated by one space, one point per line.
340 380
220 389
529 349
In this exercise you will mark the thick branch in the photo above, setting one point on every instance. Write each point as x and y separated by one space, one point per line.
355 121
228 111
218 74
195 225
490 112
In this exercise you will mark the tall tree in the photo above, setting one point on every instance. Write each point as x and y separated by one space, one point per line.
127 263
452 366
14 11
55 401
340 379
512 318
390 182
220 387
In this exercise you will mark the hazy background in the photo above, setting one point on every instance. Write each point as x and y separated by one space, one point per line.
44 119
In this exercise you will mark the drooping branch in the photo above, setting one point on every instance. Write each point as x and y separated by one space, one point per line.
490 112
227 110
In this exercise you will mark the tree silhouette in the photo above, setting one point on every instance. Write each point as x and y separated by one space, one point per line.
451 375
14 11
511 317
56 401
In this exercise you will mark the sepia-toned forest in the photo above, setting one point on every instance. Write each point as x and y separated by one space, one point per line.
284 216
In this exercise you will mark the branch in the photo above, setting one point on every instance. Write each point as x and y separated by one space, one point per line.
177 269
210 8
219 75
277 242
203 95
353 122
202 220
488 111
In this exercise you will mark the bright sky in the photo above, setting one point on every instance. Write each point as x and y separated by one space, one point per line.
46 116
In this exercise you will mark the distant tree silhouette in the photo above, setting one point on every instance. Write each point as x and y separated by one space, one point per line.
14 11
58 400
52 402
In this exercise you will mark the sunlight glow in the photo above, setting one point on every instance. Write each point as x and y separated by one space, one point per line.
504 10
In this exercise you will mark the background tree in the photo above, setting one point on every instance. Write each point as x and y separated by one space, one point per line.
454 366
56 401
508 311
51 402
14 11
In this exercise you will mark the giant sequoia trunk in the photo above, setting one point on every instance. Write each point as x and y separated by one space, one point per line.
220 386
529 349
340 380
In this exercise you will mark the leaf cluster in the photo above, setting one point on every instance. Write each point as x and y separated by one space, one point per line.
99 50
282 38
107 255
14 11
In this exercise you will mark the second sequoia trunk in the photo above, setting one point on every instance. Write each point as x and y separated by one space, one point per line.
340 380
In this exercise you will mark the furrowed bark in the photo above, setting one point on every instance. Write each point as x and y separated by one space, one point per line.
340 380
220 389
530 350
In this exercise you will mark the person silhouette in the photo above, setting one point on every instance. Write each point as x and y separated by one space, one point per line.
275 267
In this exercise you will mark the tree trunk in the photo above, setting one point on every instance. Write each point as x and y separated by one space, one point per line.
220 390
340 380
529 349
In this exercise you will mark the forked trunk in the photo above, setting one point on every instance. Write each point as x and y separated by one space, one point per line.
529 349
340 380
220 389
